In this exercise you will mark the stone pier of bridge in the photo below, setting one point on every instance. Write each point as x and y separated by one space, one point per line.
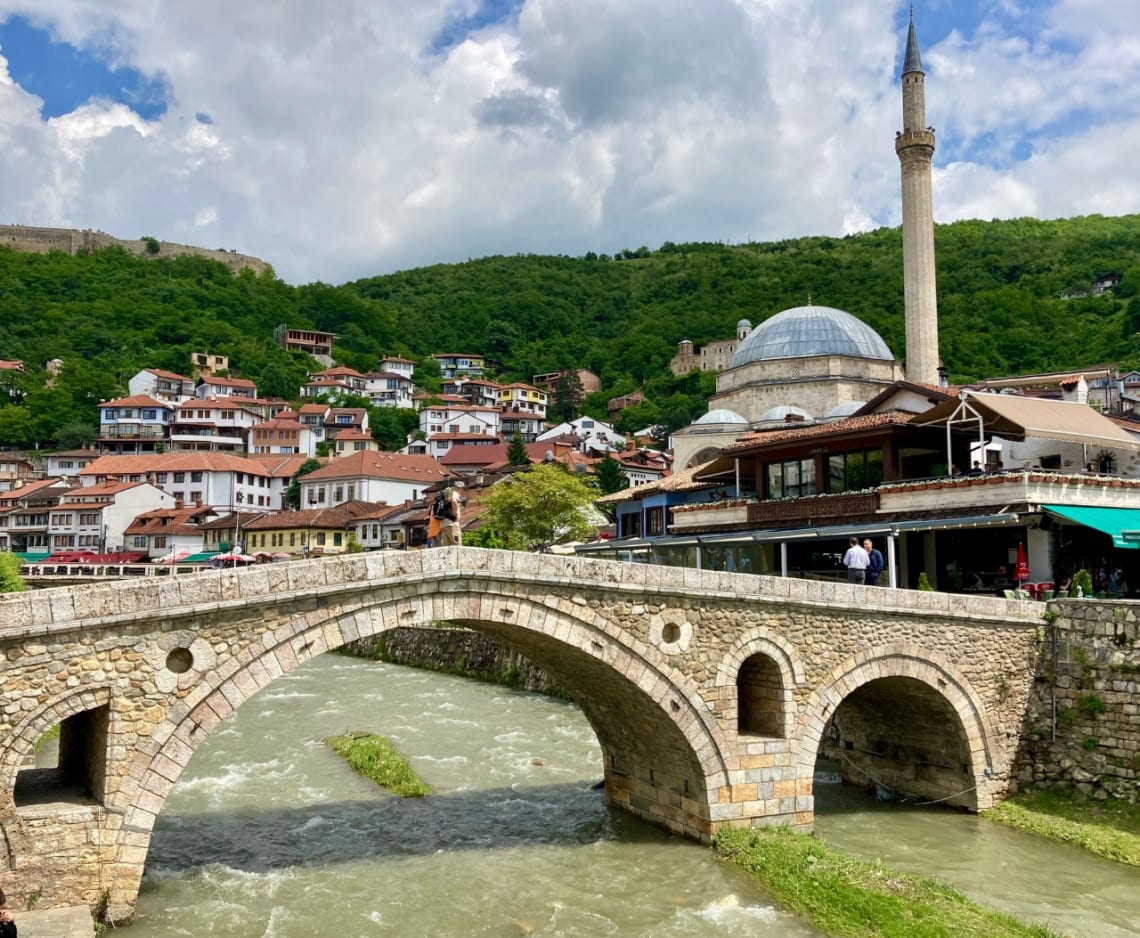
712 694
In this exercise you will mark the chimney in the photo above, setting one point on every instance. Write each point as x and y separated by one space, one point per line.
178 503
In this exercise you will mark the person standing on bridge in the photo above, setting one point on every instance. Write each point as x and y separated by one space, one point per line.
450 532
875 564
856 560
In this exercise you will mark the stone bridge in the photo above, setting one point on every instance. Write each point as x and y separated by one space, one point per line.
712 694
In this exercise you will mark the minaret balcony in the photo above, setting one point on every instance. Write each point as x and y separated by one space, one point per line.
907 139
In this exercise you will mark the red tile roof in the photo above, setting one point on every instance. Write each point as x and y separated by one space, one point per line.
111 465
759 440
135 400
393 466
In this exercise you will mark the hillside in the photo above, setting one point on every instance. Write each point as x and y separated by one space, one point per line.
1000 285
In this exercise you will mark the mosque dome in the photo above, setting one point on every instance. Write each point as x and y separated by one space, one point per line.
808 331
720 415
846 409
783 411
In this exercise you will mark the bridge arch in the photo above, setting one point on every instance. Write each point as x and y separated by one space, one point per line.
664 754
756 678
883 711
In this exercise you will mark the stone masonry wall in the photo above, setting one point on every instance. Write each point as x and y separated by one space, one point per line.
457 651
1083 725
31 239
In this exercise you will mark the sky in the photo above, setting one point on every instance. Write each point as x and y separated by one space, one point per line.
340 139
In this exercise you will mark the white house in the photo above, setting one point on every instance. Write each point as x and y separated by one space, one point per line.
371 477
220 480
389 389
592 435
169 533
453 416
283 435
166 386
68 462
96 517
212 386
135 424
215 424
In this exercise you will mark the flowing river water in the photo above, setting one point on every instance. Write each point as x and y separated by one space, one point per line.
268 834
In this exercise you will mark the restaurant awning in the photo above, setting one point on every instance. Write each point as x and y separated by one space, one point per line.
201 557
1015 417
1121 524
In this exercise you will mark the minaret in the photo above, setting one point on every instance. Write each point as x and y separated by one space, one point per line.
915 148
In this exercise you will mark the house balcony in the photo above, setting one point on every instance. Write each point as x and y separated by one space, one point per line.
132 431
968 493
713 516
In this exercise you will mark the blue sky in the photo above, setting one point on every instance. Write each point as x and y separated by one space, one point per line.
345 138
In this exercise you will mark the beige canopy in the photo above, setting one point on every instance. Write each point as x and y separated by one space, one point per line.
1015 417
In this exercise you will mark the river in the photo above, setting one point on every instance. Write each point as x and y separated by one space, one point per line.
268 834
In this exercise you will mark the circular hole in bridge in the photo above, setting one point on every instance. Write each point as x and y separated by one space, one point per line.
179 661
671 633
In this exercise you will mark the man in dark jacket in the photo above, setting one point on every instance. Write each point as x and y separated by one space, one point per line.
875 566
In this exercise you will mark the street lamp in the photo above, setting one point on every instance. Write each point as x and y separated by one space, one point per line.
236 549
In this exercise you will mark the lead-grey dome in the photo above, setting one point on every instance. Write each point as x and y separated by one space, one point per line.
720 415
807 331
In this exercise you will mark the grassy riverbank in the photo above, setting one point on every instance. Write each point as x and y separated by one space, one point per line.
1109 829
376 759
849 898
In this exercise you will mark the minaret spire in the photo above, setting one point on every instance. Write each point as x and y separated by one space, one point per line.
915 148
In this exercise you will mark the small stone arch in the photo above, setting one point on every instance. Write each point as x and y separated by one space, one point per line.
935 671
763 668
21 749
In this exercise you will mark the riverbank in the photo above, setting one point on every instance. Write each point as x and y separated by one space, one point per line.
1108 829
851 898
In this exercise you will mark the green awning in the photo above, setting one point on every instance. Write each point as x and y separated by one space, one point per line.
32 556
1122 524
199 558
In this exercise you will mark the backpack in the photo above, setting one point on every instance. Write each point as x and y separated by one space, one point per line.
442 507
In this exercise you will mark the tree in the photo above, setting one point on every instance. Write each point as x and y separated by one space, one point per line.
516 452
15 425
609 475
10 579
540 507
566 399
292 498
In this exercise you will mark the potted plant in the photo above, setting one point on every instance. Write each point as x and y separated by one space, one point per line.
1082 584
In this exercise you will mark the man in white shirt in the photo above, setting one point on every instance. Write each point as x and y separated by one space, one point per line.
856 560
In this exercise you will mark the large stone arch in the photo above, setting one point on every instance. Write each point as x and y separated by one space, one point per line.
640 706
759 641
924 667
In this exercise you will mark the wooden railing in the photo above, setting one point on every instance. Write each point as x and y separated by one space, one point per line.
814 509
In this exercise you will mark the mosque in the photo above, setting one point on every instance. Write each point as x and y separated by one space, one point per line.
816 363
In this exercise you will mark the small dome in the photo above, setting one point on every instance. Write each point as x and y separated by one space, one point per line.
846 409
783 411
807 331
720 415
744 324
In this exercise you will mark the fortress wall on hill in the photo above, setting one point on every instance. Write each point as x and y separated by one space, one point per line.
27 238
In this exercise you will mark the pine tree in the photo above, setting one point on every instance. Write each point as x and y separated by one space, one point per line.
516 452
567 398
610 476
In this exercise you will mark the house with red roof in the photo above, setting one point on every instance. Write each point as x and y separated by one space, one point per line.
213 424
170 533
214 386
136 424
166 386
373 477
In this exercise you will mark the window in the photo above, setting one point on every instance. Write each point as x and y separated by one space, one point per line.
351 491
139 542
195 496
160 479
66 464
160 542
149 413
90 517
654 521
320 538
848 472
338 494
791 479
336 539
292 538
179 477
195 477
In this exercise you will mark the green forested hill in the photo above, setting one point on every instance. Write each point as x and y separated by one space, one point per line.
1000 288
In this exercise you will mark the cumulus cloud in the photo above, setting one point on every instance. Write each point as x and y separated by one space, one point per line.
344 138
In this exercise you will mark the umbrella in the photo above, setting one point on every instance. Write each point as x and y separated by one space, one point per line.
281 555
173 557
1021 571
235 557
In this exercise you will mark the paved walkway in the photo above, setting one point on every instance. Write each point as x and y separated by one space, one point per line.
71 922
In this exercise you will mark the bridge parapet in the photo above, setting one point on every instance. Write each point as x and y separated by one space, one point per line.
45 612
